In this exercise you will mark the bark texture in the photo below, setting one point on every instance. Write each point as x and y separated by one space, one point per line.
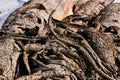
70 41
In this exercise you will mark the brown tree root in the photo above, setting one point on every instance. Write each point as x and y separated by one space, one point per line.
83 51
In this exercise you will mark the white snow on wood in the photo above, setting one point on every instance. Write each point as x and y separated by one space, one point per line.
117 1
7 7
25 0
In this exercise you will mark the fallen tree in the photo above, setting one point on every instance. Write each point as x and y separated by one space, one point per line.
39 41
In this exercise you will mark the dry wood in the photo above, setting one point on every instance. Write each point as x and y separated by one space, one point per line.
38 42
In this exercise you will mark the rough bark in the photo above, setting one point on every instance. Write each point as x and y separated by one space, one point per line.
38 42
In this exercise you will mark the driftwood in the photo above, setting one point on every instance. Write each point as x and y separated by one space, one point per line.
39 41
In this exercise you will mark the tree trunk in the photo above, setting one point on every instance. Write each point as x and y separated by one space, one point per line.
61 40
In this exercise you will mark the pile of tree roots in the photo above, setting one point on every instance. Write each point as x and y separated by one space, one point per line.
61 40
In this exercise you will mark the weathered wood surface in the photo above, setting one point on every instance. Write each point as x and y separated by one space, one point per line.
110 16
40 43
8 59
6 7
